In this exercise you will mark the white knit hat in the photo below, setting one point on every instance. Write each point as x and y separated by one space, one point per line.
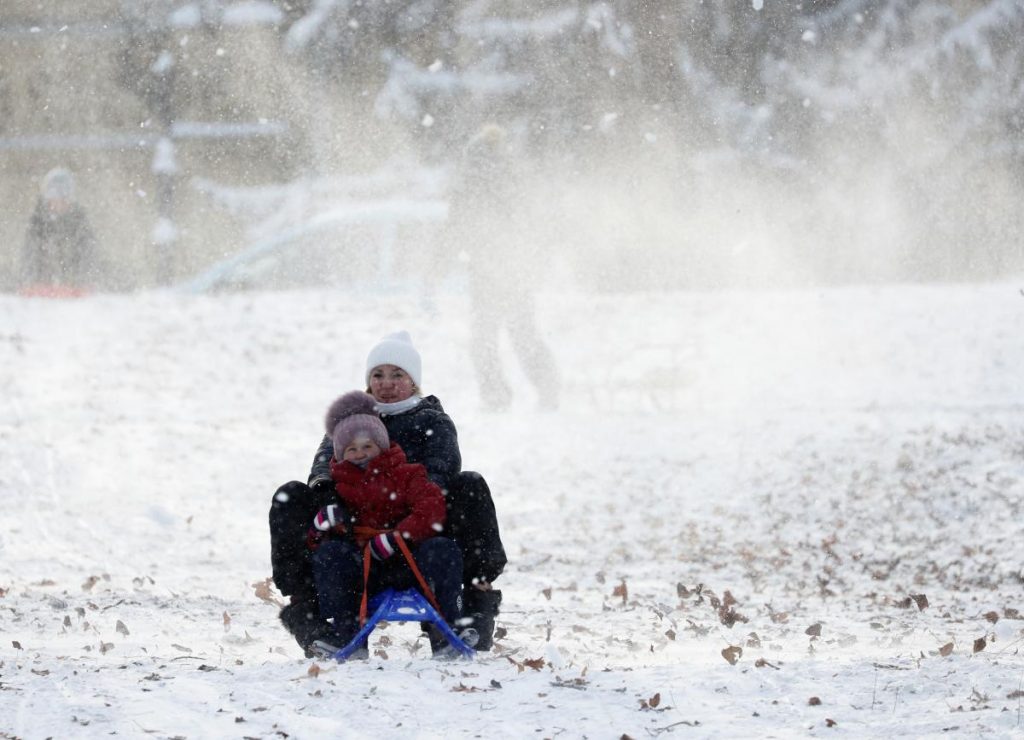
396 349
58 183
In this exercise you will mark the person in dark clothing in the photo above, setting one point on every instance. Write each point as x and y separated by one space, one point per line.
59 251
382 503
428 436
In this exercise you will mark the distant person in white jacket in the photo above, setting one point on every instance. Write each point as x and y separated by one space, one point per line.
490 227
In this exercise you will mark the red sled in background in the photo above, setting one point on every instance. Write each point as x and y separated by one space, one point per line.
41 290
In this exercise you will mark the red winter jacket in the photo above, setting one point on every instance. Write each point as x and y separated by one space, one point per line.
391 494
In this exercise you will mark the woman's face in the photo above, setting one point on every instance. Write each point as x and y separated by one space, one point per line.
390 384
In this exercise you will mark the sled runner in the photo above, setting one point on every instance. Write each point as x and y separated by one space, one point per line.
402 606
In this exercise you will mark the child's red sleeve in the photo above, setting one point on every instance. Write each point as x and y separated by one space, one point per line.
427 515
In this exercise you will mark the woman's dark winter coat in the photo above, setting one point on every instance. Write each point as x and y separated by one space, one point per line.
391 494
425 433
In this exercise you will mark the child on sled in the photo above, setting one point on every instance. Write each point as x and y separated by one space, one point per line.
383 503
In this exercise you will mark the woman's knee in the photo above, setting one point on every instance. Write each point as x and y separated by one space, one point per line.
333 554
441 551
470 488
289 493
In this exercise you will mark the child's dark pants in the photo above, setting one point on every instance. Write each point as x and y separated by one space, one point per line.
338 574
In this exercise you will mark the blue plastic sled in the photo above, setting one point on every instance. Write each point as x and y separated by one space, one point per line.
402 606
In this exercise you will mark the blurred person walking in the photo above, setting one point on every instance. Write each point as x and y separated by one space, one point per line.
489 228
58 256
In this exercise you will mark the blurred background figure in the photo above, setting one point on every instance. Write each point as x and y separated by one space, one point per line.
489 228
59 252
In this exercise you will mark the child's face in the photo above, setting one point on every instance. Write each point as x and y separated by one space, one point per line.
360 450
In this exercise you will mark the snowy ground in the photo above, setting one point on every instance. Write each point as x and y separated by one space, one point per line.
823 487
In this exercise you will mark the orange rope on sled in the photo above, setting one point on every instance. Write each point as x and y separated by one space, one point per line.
370 533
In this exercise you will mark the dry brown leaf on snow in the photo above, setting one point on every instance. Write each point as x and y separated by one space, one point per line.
16 645
946 649
814 701
534 663
264 592
814 630
729 616
644 705
979 644
698 629
621 590
698 591
921 600
90 582
519 666
670 634
547 593
732 654
993 617
579 683
227 622
314 671
121 628
106 647
762 663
